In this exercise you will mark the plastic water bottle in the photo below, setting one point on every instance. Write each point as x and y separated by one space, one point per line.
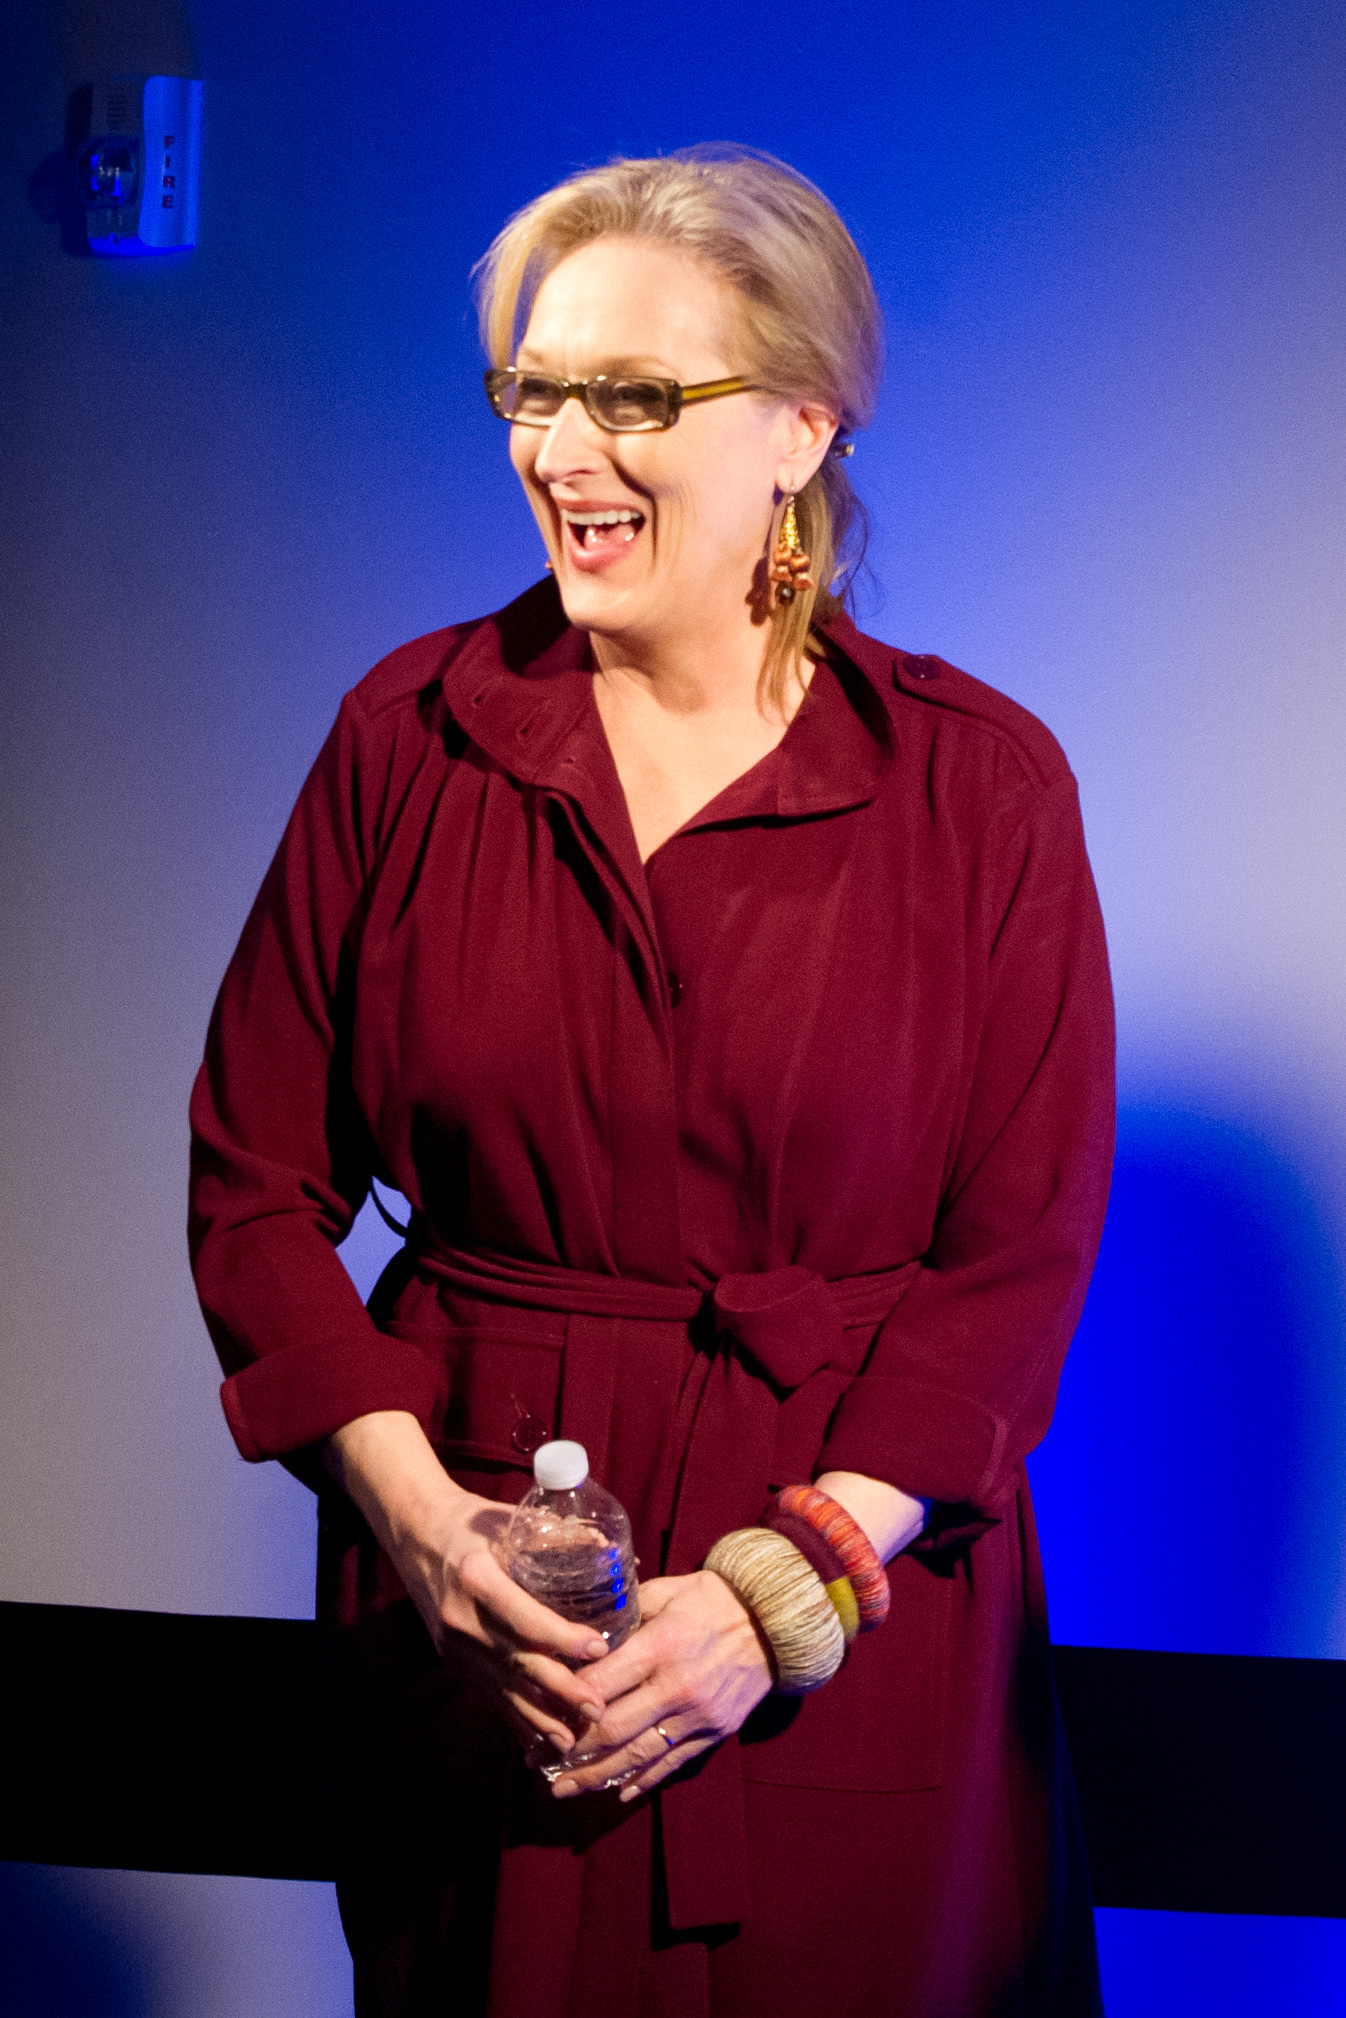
569 1546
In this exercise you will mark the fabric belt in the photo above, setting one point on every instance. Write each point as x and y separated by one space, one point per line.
760 1337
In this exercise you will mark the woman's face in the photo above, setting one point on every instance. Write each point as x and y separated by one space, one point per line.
696 499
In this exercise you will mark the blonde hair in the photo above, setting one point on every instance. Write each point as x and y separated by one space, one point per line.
810 325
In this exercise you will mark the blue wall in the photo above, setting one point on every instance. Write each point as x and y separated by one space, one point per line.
1107 476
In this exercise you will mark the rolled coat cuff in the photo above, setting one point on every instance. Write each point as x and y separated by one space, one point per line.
928 1441
296 1396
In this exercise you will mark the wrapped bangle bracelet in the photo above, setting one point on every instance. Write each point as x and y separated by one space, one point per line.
842 1593
789 1602
822 1557
851 1545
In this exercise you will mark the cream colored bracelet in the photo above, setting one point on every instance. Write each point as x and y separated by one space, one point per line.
789 1601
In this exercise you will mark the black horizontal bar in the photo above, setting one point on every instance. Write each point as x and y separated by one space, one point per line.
162 1742
1209 1783
158 1741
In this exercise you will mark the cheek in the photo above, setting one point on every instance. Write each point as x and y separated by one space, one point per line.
523 454
728 494
731 512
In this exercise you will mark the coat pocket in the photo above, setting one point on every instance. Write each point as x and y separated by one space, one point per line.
879 1725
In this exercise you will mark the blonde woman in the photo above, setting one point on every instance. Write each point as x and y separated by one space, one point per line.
727 994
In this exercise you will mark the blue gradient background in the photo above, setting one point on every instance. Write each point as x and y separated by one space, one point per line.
1107 477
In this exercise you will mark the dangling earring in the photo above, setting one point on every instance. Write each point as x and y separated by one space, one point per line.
790 565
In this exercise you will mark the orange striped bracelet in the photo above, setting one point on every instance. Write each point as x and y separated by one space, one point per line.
851 1545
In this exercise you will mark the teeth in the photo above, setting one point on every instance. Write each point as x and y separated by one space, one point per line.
621 518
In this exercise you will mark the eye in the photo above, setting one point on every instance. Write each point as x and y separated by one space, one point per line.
629 403
534 395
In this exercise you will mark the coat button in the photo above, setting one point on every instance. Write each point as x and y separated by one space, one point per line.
923 668
674 988
528 1434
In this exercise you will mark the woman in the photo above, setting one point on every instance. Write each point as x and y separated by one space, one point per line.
727 994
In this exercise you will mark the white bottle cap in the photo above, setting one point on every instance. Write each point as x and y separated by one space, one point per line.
558 1467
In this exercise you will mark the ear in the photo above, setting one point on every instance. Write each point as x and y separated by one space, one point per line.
809 430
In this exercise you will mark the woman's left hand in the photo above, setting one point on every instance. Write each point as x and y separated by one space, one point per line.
696 1667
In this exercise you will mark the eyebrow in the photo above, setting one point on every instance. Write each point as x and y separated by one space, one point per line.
609 367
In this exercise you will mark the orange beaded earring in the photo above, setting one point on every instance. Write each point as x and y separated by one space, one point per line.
790 566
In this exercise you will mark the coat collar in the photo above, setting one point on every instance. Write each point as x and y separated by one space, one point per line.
521 688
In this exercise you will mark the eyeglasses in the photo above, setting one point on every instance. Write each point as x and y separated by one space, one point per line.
620 405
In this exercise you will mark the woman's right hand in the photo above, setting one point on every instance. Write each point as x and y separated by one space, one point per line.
444 1544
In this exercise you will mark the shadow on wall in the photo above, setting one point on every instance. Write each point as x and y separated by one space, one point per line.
52 194
1191 1487
61 1958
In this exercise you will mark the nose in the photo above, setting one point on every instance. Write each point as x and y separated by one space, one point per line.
573 443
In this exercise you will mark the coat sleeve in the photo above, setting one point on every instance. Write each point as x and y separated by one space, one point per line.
961 1380
281 1158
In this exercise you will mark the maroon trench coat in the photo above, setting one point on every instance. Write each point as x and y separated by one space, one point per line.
786 1152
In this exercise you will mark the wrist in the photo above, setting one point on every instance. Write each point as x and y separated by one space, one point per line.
864 1582
890 1517
385 1464
792 1615
740 1619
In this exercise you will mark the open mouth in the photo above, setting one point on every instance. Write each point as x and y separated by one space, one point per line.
599 535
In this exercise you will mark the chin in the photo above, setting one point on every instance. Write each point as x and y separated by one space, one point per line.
597 604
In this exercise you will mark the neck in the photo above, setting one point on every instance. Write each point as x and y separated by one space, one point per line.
700 671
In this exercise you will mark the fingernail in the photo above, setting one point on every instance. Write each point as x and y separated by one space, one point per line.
563 1789
593 1711
562 1740
595 1650
632 1793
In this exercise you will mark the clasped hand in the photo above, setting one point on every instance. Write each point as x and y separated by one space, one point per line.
686 1678
694 1668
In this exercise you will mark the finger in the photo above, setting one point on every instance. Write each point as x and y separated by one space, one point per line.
573 1694
532 1720
526 1619
643 1709
546 1672
633 1663
577 1718
645 1761
551 1686
494 1591
674 1759
658 1592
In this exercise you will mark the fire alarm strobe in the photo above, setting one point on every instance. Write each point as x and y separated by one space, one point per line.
137 171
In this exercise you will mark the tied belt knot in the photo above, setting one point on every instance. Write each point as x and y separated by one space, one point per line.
784 1321
762 1337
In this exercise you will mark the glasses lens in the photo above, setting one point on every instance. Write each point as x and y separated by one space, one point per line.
525 395
626 404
